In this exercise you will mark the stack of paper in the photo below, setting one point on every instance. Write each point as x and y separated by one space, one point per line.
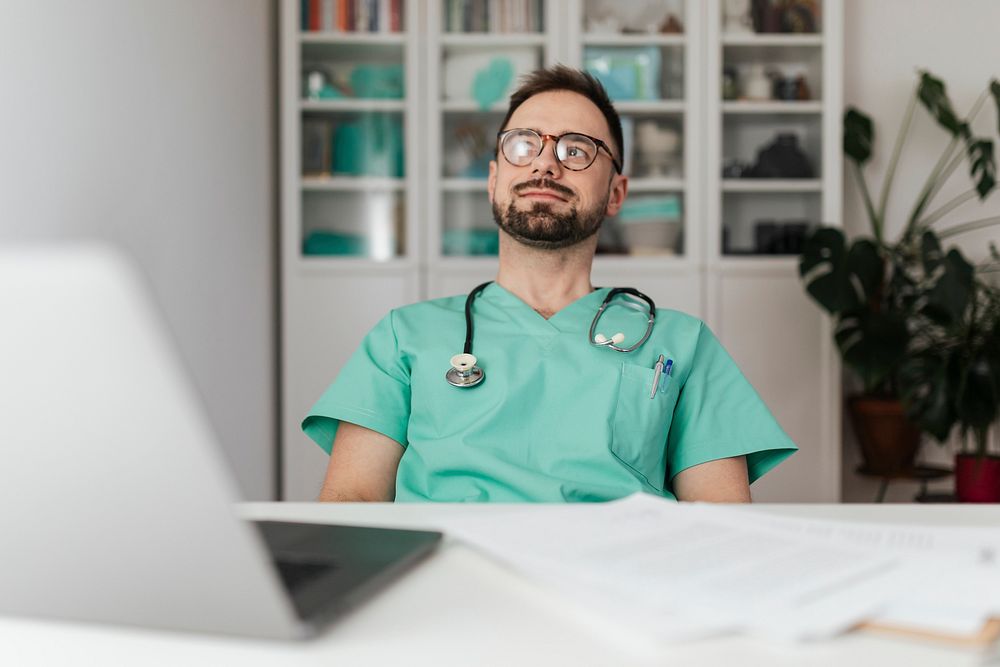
682 571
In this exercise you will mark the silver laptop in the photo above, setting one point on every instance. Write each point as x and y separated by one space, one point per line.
116 504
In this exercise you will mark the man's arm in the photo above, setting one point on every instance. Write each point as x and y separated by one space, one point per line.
362 466
720 481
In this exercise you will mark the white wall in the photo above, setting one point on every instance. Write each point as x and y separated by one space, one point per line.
885 43
150 123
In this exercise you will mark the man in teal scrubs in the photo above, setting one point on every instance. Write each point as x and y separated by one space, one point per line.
556 418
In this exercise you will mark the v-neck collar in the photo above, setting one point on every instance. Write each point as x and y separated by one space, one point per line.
574 317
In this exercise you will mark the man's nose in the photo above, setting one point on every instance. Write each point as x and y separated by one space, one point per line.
547 163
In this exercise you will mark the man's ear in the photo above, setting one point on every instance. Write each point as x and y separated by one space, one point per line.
491 181
619 189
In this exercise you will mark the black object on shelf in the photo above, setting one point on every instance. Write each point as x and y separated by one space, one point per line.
767 238
774 238
782 158
795 16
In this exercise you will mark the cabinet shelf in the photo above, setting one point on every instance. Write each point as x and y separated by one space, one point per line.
651 106
351 184
771 185
651 39
357 38
773 40
644 184
353 105
773 107
492 39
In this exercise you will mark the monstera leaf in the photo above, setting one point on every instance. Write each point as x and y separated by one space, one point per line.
940 389
859 133
978 395
949 298
931 255
932 95
872 344
995 92
823 266
838 278
929 386
984 166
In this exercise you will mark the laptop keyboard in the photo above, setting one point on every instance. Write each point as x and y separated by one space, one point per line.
297 574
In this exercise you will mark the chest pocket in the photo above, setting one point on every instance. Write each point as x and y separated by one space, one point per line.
641 423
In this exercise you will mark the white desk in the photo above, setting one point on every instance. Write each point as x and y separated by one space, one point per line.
459 608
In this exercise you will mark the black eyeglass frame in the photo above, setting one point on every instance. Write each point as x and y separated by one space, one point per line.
556 138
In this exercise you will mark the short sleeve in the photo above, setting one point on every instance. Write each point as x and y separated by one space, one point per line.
720 415
372 390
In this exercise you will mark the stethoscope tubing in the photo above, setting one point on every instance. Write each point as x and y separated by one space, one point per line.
631 291
465 373
468 314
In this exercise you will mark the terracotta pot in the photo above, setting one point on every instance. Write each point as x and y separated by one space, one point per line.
977 479
888 440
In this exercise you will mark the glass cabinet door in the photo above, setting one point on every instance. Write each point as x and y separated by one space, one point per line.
639 52
771 93
481 51
353 130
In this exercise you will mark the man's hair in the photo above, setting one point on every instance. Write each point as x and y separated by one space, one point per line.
561 77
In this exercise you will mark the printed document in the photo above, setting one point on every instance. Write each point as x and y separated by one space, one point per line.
692 570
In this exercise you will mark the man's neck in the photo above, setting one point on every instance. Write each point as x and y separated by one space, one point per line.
546 280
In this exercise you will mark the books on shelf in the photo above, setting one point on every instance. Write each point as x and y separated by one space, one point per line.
351 15
498 16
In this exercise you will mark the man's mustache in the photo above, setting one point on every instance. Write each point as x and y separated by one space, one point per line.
543 184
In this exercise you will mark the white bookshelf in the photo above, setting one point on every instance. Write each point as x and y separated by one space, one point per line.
328 301
755 304
459 222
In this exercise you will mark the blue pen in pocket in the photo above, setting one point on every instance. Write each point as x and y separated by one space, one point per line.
668 371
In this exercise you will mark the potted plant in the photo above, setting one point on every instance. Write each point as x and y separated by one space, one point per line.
951 375
917 325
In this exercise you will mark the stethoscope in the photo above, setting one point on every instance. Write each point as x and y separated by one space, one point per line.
465 373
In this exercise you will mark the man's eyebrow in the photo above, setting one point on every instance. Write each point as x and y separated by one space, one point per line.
555 134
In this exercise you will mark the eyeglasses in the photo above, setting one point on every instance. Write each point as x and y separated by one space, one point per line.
574 151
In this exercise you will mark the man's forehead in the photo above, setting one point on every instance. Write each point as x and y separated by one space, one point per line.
558 112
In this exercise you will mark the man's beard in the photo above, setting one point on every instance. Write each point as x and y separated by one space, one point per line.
541 227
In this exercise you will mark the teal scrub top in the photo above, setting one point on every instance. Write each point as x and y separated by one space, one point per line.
556 418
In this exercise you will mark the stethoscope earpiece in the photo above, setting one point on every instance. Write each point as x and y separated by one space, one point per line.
617 339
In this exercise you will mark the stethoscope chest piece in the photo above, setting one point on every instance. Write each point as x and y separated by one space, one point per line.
464 372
